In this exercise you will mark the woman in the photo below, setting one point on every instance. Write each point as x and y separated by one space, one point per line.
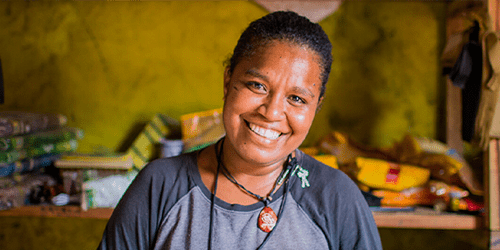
253 189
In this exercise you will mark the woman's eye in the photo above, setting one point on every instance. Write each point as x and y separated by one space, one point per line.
256 86
297 99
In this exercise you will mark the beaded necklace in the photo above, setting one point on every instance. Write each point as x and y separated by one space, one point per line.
268 220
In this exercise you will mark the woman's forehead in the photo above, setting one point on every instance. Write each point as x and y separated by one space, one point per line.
301 59
283 62
283 48
264 45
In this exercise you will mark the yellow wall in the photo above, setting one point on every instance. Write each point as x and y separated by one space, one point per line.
109 66
385 77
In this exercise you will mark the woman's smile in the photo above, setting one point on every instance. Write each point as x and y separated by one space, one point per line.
266 133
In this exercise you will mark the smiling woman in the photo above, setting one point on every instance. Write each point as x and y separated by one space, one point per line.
270 102
253 189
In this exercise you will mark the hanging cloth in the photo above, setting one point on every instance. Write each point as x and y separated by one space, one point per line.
466 74
488 117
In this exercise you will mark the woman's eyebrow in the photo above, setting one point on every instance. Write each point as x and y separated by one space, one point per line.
255 73
303 91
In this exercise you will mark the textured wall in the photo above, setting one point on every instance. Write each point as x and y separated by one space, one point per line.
385 76
109 66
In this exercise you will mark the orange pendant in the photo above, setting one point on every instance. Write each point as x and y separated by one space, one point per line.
267 219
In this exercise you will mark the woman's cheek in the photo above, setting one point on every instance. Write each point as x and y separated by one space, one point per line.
300 118
250 102
303 120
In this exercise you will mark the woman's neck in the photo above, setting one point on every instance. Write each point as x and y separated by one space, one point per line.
247 171
258 178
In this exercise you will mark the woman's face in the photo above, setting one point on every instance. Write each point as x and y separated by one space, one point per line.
270 102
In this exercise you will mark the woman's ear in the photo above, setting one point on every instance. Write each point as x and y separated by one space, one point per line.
227 80
320 104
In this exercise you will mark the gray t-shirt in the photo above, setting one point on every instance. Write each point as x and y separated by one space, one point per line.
168 207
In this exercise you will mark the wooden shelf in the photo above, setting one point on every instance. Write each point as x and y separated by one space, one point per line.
56 211
428 219
421 218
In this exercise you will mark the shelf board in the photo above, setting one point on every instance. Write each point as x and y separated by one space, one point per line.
428 219
420 218
58 211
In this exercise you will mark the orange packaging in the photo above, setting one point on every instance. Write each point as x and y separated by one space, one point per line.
429 195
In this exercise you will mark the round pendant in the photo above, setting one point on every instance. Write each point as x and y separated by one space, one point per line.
267 219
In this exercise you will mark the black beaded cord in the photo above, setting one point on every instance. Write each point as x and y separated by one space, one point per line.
292 161
266 199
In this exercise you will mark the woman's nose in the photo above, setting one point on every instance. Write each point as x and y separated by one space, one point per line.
273 108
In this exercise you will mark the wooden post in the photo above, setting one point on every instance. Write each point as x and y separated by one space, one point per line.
494 12
492 183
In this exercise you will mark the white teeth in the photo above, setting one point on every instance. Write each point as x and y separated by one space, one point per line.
269 134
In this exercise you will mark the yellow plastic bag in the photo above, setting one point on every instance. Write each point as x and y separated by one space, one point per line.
380 174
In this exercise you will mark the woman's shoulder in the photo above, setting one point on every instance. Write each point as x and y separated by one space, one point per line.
333 194
168 168
321 171
324 178
172 163
161 178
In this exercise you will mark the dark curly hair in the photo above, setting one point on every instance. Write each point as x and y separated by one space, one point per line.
285 26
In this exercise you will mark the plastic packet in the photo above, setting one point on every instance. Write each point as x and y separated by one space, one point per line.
380 174
201 129
105 192
347 150
436 193
445 163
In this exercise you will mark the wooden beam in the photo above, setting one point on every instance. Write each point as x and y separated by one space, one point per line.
494 12
492 182
58 211
428 221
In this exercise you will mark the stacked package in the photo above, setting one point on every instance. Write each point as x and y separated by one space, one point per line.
99 180
80 171
145 146
415 171
200 129
30 142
